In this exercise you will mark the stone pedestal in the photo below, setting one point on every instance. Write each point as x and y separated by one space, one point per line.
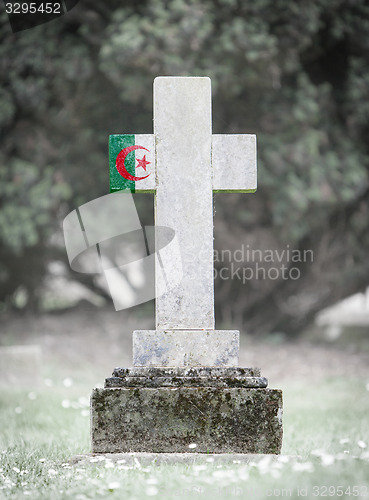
163 409
186 347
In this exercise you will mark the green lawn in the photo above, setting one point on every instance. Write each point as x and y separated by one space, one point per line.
326 425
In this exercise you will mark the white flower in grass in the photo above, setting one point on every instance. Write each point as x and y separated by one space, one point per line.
109 465
344 440
83 401
152 491
218 473
18 410
15 469
152 480
67 382
225 474
361 444
8 483
192 446
275 473
303 467
277 465
243 474
65 403
94 459
121 461
210 459
114 485
26 492
327 460
318 453
52 472
341 456
85 413
199 467
264 464
42 460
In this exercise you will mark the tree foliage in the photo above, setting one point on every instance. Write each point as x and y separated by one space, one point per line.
294 73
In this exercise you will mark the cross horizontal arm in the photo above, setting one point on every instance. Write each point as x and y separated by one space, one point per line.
234 163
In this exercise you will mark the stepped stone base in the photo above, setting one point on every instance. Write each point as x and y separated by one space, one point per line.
161 410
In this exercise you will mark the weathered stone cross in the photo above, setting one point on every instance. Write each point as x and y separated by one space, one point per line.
185 391
183 163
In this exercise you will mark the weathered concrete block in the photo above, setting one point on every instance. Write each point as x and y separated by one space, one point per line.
168 420
185 347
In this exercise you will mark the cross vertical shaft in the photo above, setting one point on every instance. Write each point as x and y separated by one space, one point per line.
182 129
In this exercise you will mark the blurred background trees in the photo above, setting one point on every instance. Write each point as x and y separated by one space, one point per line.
294 73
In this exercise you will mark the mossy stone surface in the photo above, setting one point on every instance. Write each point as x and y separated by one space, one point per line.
168 420
170 381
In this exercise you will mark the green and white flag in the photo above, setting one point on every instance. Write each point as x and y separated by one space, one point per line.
132 162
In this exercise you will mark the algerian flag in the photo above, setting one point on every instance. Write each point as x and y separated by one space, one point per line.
132 162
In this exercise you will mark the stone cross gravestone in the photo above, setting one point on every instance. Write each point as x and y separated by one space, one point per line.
185 386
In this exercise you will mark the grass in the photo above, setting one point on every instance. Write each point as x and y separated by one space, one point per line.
325 425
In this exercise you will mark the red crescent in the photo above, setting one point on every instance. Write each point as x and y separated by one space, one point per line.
119 163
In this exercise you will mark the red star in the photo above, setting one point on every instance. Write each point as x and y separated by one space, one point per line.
143 163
